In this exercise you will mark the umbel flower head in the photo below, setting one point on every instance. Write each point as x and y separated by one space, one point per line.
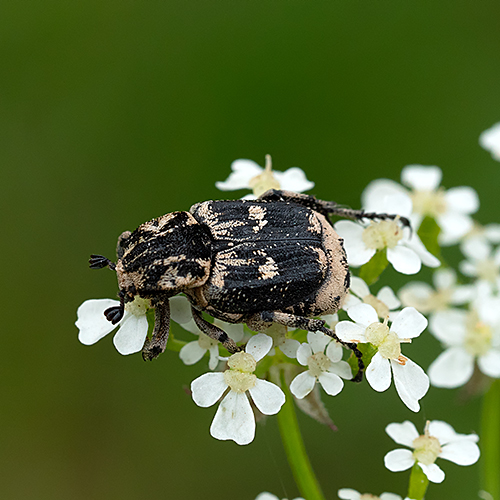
490 140
234 418
438 441
246 174
410 380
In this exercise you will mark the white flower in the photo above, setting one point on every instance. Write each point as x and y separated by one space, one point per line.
269 496
323 368
133 327
192 352
385 303
350 494
466 338
405 251
490 140
446 294
234 418
246 174
286 345
450 208
410 380
482 261
439 440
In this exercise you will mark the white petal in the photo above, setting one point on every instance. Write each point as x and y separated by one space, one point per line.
463 294
180 309
421 178
350 332
462 199
415 244
91 321
234 331
397 203
443 431
416 294
234 419
454 225
372 198
131 335
433 472
411 383
290 347
318 341
294 179
490 140
363 314
266 496
191 326
259 345
452 368
404 260
242 172
449 326
334 351
348 494
404 433
463 452
330 319
191 353
378 373
476 249
444 278
268 397
331 383
409 323
304 352
389 496
213 362
302 384
357 253
342 369
492 232
359 287
208 389
489 364
388 297
398 460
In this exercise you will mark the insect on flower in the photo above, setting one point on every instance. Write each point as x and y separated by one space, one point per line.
276 259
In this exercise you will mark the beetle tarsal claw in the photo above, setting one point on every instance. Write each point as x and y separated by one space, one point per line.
114 314
99 261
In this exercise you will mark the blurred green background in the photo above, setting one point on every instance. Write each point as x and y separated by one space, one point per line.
116 112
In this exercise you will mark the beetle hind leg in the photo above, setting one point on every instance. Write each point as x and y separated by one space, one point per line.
156 345
314 325
214 332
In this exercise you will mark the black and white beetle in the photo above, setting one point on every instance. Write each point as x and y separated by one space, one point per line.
274 259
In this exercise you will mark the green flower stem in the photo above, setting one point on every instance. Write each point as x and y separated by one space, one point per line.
490 440
418 483
295 450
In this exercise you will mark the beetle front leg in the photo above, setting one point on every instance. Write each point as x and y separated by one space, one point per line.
314 325
215 332
154 346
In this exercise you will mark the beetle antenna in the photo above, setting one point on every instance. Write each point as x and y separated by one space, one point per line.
99 261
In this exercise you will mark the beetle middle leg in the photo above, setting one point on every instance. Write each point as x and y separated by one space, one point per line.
314 325
214 332
154 346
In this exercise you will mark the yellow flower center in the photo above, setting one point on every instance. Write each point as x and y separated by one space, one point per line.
431 203
138 307
240 376
264 181
436 301
378 305
427 448
487 270
367 496
478 336
318 363
382 234
387 342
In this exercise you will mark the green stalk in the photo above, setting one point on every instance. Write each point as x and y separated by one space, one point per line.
295 450
418 483
490 440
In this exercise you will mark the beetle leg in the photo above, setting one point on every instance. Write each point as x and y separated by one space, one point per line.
314 325
99 261
214 332
154 346
359 215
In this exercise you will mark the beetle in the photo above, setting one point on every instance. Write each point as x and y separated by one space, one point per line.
276 259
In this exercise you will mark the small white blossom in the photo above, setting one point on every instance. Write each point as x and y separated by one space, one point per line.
133 327
286 345
490 140
466 338
404 249
385 302
447 293
410 380
450 208
483 262
234 418
246 174
350 494
438 441
324 367
269 496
